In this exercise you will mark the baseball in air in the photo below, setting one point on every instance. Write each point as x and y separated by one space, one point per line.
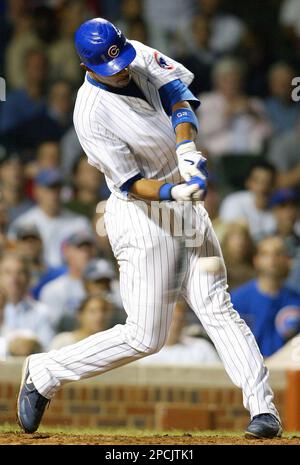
211 264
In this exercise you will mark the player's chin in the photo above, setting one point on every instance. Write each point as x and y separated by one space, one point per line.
123 82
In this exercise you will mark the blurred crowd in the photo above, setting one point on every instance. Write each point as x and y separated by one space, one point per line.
58 277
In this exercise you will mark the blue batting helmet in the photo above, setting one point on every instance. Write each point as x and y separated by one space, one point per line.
102 47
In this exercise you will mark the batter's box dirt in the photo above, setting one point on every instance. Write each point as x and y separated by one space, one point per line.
98 439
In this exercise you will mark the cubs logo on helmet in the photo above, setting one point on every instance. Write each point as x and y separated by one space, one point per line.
161 61
113 51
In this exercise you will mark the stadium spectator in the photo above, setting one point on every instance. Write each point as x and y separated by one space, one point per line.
86 182
290 20
131 11
44 21
28 245
12 185
53 222
62 55
3 225
137 30
238 249
22 38
60 105
284 154
23 104
212 200
4 34
227 30
94 315
71 151
271 310
21 312
282 111
20 343
65 293
230 121
53 121
110 9
47 158
182 350
255 47
293 279
285 207
199 58
252 205
99 276
32 25
100 232
168 22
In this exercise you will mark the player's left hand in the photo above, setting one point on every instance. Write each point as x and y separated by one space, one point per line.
191 162
201 183
188 191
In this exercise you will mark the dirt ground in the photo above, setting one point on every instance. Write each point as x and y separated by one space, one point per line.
87 439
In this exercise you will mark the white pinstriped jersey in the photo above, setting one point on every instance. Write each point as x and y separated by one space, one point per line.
123 136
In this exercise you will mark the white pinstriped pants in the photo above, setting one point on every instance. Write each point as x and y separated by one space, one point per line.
147 261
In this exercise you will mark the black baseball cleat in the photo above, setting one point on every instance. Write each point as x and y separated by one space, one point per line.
264 426
31 404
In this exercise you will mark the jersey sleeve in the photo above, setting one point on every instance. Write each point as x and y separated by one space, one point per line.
162 69
174 92
110 155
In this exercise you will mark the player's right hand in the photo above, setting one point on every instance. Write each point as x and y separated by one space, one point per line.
191 162
188 191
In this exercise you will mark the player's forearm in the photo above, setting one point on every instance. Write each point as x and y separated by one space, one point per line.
184 131
151 189
191 163
147 189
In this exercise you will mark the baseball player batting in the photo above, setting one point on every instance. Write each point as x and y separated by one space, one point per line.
134 117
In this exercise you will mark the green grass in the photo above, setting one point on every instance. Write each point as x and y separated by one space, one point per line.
6 428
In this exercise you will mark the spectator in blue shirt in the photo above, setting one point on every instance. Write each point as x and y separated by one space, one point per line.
282 111
54 119
24 104
270 309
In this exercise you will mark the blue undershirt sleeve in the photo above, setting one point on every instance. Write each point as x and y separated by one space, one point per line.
174 92
127 185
